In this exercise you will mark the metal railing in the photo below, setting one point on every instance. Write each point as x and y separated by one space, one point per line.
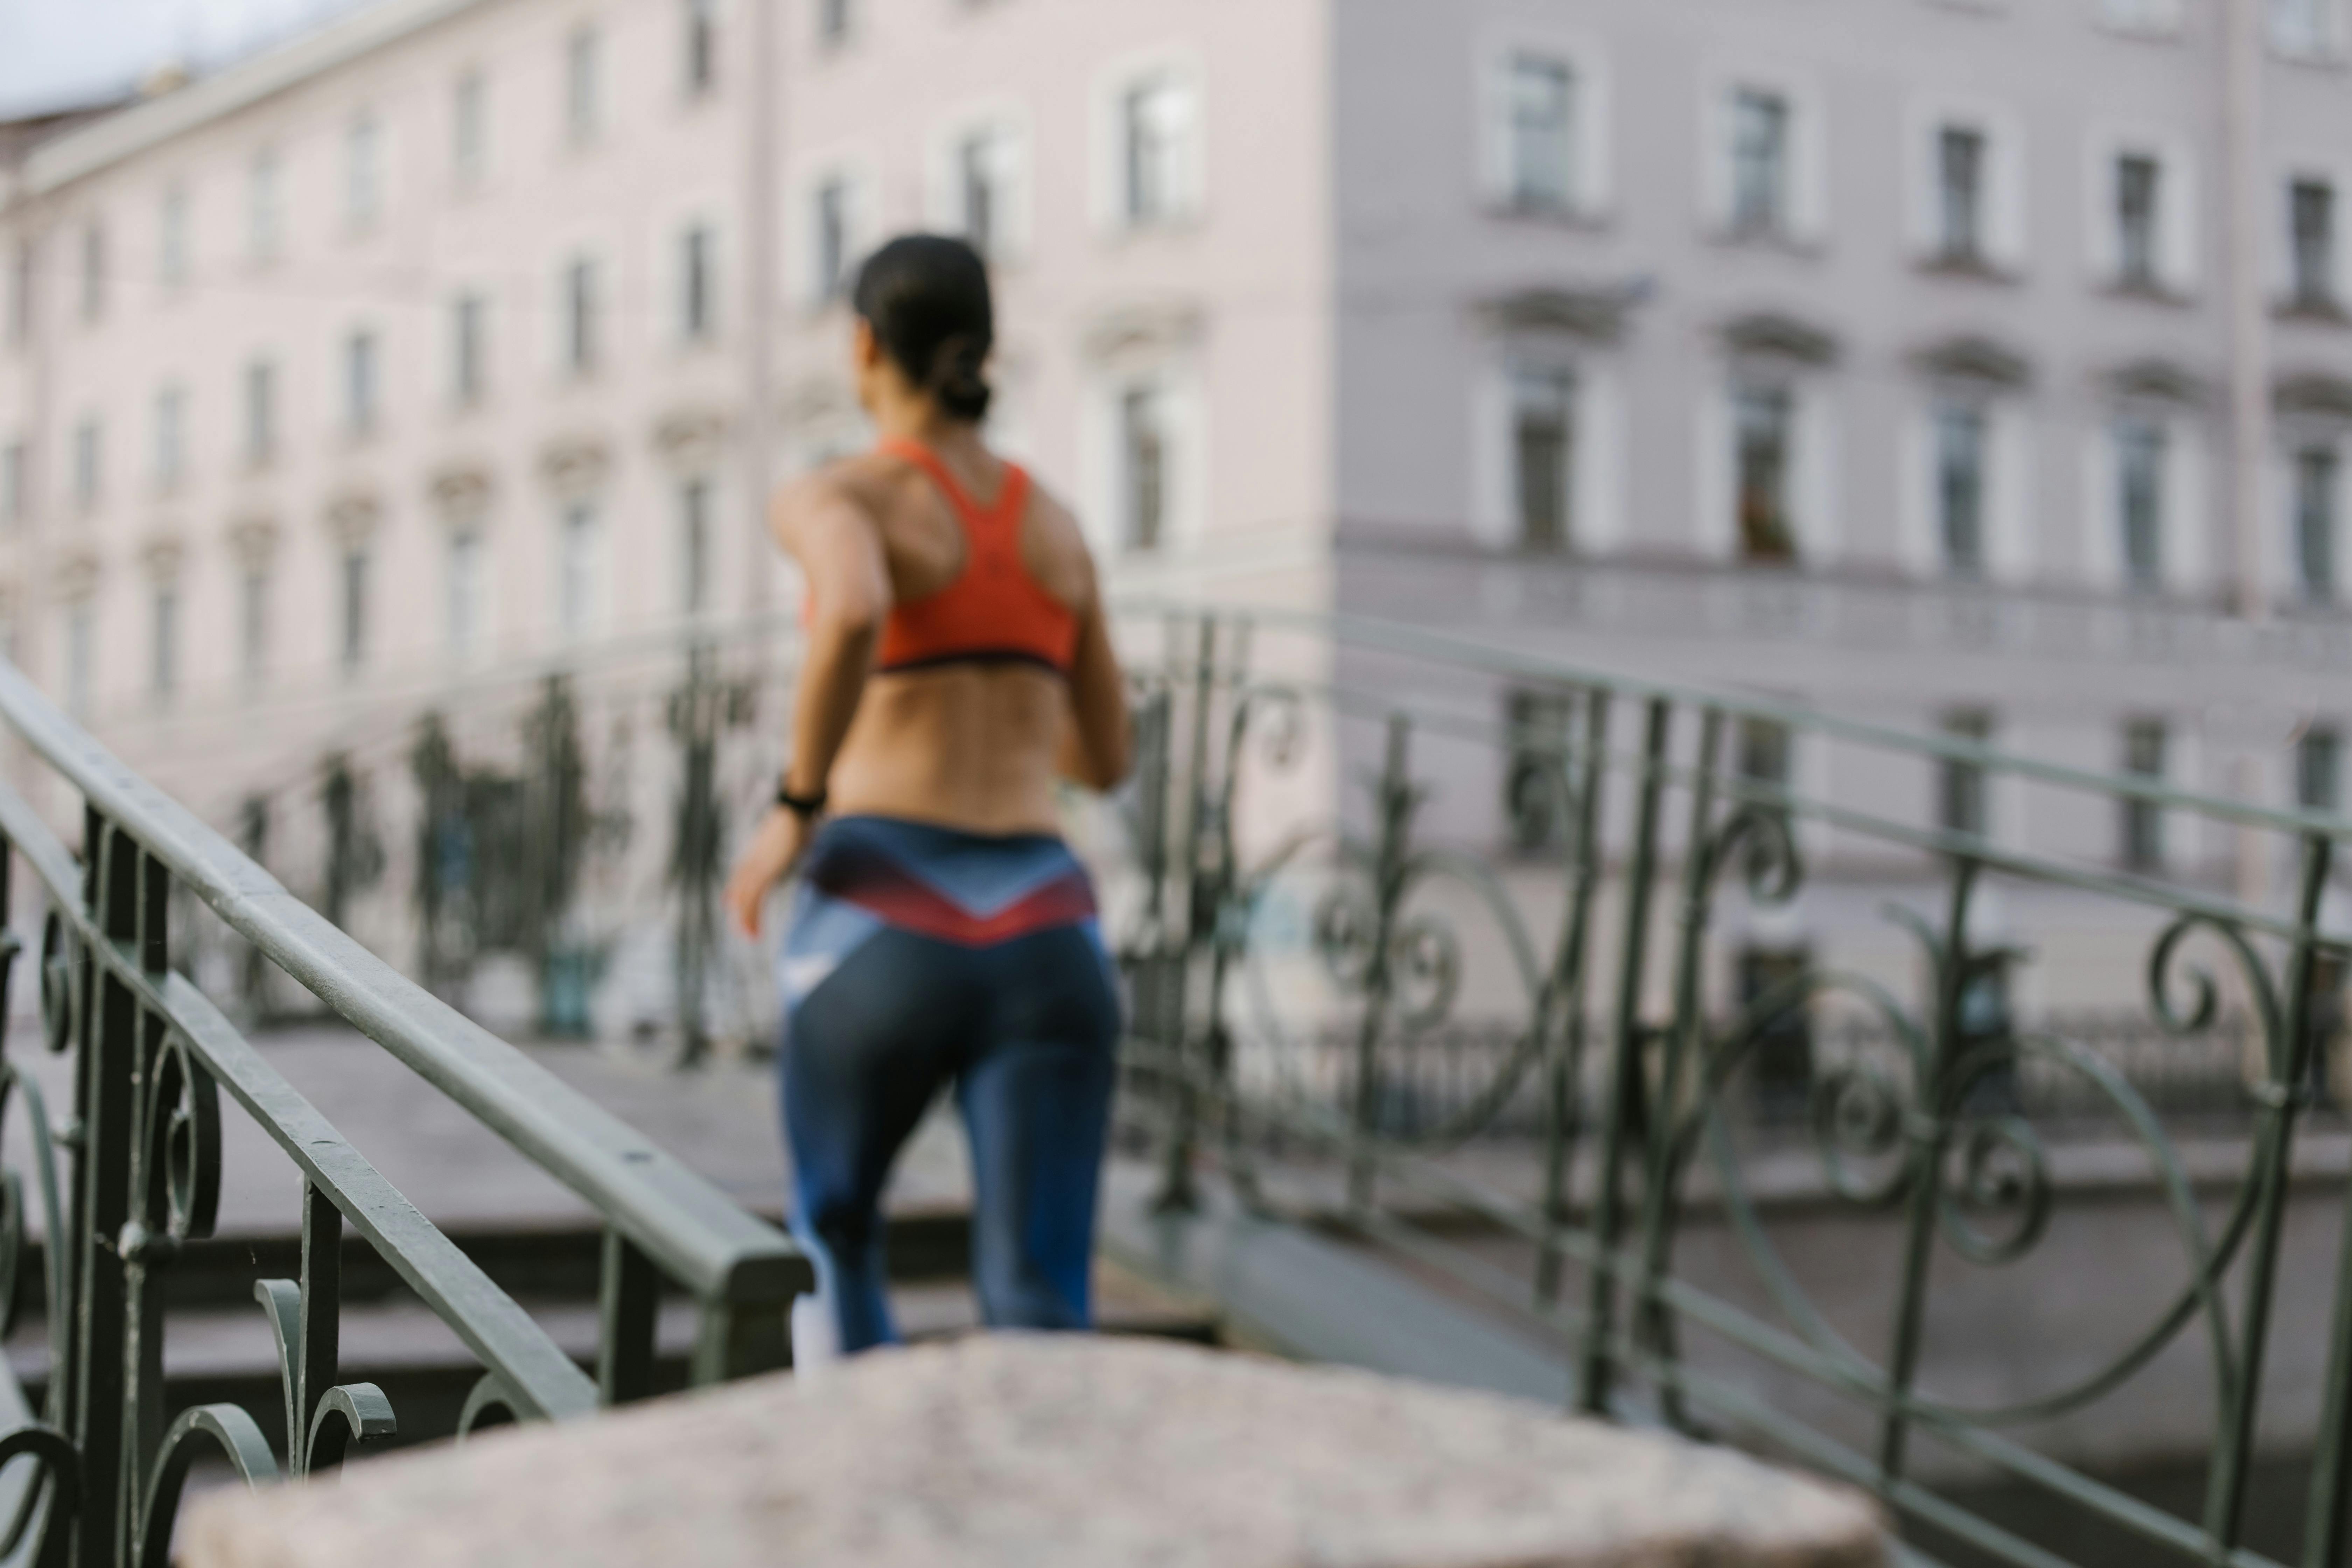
132 1173
1427 936
1329 891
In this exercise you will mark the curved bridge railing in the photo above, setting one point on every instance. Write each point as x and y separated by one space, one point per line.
1740 967
118 1182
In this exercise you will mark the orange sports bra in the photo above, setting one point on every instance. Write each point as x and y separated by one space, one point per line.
994 612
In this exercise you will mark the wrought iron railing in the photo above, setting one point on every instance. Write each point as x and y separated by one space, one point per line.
131 1173
1562 984
1358 846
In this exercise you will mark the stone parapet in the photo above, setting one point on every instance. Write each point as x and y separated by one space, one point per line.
1066 1452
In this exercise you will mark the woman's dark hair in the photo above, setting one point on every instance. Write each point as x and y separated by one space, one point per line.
926 297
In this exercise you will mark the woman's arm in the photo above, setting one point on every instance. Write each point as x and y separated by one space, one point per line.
825 527
833 536
1098 747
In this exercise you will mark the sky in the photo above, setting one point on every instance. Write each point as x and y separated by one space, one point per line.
57 53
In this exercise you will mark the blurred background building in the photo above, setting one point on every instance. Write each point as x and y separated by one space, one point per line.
1978 365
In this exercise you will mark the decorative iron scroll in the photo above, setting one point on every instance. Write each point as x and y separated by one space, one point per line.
1370 923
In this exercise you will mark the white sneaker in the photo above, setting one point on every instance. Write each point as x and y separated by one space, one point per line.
816 1338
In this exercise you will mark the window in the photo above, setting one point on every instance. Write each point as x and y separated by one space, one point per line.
1763 422
701 49
2311 216
1960 194
2319 770
1542 134
260 412
81 657
2138 182
469 350
1760 162
11 484
2301 28
93 271
164 642
264 217
1143 466
2145 743
694 546
832 232
1543 437
468 594
172 238
575 586
1535 786
983 186
171 443
87 460
1156 119
354 586
1764 757
363 172
1783 1054
833 20
698 303
2314 523
1961 799
469 128
360 389
2140 451
580 335
253 622
582 63
1960 486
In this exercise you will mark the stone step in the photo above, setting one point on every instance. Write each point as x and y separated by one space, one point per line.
222 1352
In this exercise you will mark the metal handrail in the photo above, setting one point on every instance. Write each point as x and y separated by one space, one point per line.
693 1231
535 1370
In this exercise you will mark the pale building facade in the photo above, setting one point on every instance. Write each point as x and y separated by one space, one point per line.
1893 355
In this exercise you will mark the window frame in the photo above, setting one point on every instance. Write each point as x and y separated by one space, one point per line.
1176 71
364 171
583 85
469 128
2142 538
2316 522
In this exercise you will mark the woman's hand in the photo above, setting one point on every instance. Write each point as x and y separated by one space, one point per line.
771 855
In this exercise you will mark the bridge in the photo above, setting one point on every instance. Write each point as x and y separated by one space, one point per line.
1492 1019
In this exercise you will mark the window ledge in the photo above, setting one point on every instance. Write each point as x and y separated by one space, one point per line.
2147 293
1771 241
2317 312
1968 268
1578 216
2326 57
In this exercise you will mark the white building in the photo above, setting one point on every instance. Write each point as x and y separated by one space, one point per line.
1981 363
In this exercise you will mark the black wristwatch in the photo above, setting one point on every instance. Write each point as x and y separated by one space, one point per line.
801 805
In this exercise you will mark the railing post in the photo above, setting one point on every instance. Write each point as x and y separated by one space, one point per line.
1396 801
1624 1069
2225 1495
1685 1042
738 1339
1927 1175
1561 1016
318 1357
1178 1192
627 1306
108 1094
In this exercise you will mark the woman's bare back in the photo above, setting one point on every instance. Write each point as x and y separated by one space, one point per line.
973 745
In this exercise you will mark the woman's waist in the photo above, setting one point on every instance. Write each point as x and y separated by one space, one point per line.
948 779
946 880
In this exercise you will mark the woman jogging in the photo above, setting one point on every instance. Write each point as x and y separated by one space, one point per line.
957 664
